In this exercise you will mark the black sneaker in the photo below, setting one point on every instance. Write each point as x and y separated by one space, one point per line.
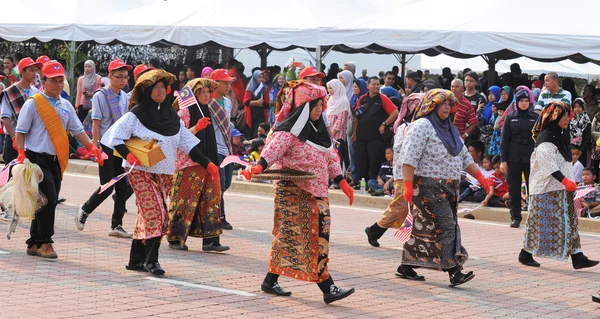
80 218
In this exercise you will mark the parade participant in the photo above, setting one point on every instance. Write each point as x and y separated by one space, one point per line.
432 156
87 84
220 110
108 106
515 149
13 99
196 195
302 220
256 102
395 214
551 228
149 119
41 128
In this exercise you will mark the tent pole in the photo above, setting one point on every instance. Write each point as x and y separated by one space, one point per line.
403 66
319 58
71 74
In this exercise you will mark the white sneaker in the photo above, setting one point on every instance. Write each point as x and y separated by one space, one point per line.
4 215
80 218
119 232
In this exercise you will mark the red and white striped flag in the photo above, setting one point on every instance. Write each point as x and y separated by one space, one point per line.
403 234
185 97
114 180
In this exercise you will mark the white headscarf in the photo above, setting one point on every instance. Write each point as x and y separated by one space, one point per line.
89 80
338 102
349 82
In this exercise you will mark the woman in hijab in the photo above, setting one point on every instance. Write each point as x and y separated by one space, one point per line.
338 111
580 128
150 119
279 83
256 103
302 221
334 69
206 72
484 116
506 99
347 79
87 84
196 195
513 106
433 156
551 229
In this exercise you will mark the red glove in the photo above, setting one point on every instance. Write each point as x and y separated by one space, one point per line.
408 191
248 172
133 160
21 157
202 124
483 182
570 186
97 154
347 190
14 140
213 170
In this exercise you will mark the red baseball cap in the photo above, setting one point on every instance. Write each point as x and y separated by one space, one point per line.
117 64
311 71
43 59
53 69
139 69
25 62
221 75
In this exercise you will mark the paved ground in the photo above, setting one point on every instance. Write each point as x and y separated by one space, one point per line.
89 279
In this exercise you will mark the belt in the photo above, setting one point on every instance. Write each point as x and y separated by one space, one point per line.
44 155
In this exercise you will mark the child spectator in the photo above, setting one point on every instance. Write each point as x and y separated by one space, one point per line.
474 189
261 133
256 149
577 166
589 203
237 147
384 184
498 195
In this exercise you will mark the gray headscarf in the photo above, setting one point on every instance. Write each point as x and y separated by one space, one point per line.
348 82
89 80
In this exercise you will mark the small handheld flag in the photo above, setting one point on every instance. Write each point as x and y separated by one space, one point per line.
403 234
185 97
114 180
243 160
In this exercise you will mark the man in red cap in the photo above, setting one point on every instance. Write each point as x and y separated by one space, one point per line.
42 128
108 105
310 75
221 111
13 99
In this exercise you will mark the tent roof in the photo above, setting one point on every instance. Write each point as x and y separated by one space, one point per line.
377 26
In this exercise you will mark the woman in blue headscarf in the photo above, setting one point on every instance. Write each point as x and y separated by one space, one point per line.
484 116
278 83
256 103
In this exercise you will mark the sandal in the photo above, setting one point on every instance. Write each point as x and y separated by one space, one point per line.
154 269
408 273
459 278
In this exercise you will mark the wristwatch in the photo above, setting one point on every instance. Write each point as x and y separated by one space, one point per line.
384 124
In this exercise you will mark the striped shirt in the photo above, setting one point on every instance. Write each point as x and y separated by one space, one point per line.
465 115
546 97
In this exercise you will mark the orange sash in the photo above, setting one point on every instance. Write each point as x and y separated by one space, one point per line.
55 128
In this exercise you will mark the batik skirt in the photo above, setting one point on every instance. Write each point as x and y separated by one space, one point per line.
435 241
551 229
395 214
301 234
195 208
151 198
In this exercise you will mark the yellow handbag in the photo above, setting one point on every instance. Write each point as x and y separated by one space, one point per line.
148 152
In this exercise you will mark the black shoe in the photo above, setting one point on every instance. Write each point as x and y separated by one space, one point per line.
178 246
274 289
226 225
214 247
407 272
154 269
458 278
61 200
527 259
596 298
515 223
370 238
137 267
337 294
581 261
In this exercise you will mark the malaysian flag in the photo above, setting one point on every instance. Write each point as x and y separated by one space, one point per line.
37 82
114 180
243 160
5 172
403 234
185 97
583 190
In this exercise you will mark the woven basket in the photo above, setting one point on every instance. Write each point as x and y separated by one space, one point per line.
283 175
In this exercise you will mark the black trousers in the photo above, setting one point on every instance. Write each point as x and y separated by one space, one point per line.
513 179
42 226
144 251
112 167
9 153
369 156
342 150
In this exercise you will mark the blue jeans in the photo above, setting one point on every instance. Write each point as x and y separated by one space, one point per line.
353 171
225 177
373 185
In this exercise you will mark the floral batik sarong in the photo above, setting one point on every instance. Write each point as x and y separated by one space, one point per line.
435 241
395 214
551 229
195 208
301 234
151 197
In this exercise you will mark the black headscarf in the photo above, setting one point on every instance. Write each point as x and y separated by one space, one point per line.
208 140
159 118
313 131
557 136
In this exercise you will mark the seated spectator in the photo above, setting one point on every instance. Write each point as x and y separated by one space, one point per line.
498 195
474 191
256 149
384 184
589 204
476 150
261 134
237 148
577 166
